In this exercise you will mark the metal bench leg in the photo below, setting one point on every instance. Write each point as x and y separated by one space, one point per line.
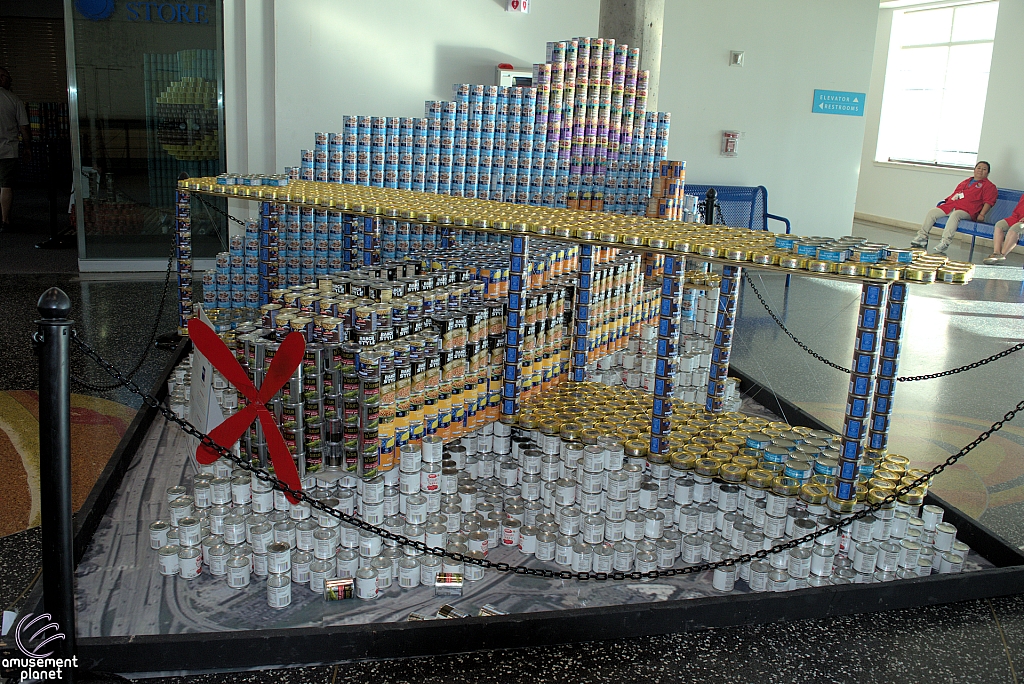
970 257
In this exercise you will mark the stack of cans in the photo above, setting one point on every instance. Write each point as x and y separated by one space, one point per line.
311 243
236 277
728 299
573 485
268 250
667 191
183 256
580 137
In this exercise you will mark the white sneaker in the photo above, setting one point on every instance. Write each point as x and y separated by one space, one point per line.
920 244
941 248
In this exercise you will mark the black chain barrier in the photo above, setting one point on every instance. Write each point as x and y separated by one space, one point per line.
152 337
401 540
220 211
909 378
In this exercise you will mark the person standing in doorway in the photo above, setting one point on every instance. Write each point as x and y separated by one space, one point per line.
971 200
13 119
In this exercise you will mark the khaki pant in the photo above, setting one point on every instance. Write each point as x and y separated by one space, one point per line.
1001 245
952 222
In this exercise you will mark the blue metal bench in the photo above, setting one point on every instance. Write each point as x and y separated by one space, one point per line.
742 206
1004 207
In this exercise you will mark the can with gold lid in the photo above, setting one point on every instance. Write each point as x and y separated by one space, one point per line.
814 497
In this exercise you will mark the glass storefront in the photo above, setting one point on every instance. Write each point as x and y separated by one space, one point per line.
146 86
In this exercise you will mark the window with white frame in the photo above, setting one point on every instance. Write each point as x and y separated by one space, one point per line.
936 81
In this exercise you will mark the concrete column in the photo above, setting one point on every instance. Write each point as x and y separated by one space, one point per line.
260 86
637 23
250 119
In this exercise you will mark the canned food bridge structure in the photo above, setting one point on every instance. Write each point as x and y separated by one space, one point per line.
248 648
880 317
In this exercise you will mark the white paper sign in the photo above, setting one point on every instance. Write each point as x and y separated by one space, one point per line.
204 412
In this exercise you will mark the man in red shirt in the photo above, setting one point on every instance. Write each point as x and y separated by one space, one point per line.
971 200
1012 226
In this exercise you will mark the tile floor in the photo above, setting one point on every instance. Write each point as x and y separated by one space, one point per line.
979 641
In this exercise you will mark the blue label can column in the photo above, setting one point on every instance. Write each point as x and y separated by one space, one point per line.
669 314
269 250
725 325
863 374
370 234
581 321
183 254
888 366
511 378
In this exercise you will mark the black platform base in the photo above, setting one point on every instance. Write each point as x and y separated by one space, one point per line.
280 647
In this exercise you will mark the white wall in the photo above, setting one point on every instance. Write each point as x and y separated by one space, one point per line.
384 58
902 194
809 162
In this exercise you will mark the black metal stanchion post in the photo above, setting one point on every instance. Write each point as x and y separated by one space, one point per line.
52 342
709 206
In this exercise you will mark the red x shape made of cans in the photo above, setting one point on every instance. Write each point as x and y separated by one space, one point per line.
283 365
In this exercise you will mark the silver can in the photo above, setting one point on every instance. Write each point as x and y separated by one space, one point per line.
582 558
319 572
724 579
366 584
545 546
279 590
430 566
239 572
300 563
384 569
168 555
234 529
158 534
799 563
822 559
408 573
304 534
285 533
219 557
182 507
759 572
279 558
622 559
190 563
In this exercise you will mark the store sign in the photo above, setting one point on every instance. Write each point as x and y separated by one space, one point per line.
152 12
167 13
838 102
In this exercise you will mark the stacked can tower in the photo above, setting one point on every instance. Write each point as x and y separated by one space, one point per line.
888 366
183 256
269 249
580 137
870 321
667 191
512 373
669 324
581 325
724 327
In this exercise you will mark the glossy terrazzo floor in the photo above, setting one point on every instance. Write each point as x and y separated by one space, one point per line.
979 641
